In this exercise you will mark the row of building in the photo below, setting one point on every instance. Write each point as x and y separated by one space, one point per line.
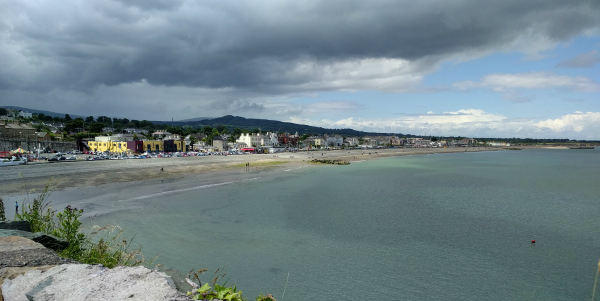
270 141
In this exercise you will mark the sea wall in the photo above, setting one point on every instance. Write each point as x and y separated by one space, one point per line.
8 144
31 271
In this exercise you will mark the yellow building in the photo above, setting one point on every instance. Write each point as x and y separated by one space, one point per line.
153 146
108 146
163 146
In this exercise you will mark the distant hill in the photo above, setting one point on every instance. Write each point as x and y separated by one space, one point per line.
267 125
232 122
195 119
47 113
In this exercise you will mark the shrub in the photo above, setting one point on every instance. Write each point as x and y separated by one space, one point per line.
98 246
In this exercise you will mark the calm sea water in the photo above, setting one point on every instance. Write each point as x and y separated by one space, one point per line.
436 227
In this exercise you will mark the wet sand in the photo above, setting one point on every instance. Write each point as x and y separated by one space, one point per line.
18 179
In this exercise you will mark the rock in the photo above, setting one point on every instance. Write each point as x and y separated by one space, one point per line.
12 273
22 252
48 241
91 282
16 225
13 232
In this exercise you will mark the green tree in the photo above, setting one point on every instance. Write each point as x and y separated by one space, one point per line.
96 127
3 111
89 119
74 126
68 118
207 130
222 129
146 123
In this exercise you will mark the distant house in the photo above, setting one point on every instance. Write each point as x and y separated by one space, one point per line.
351 141
160 134
42 136
25 114
219 143
17 130
251 140
288 140
335 141
134 131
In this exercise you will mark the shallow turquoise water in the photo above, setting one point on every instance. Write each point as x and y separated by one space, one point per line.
437 227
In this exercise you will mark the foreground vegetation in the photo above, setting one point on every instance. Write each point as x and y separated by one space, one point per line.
105 245
99 245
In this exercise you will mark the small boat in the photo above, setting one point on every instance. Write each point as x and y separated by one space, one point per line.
12 161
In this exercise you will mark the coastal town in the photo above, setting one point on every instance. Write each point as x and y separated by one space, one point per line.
36 133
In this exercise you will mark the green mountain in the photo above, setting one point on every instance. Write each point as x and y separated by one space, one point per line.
232 122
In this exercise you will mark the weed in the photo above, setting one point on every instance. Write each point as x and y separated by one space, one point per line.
595 281
101 245
217 291
106 246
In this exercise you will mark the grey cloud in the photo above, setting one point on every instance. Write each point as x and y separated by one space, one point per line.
253 45
237 105
584 60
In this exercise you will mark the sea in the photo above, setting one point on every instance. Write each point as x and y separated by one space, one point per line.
454 226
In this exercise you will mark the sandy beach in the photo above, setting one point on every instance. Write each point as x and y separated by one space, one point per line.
18 179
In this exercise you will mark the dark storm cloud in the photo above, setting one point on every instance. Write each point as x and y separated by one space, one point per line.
257 46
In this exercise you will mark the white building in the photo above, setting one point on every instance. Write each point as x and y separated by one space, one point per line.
335 141
251 140
352 141
270 139
25 114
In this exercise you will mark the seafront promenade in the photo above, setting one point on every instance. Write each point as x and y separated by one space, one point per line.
83 173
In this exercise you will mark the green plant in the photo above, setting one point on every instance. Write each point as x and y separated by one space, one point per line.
268 297
595 281
101 245
205 292
68 227
106 246
38 213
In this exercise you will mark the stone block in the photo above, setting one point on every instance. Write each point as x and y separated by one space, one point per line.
91 282
16 225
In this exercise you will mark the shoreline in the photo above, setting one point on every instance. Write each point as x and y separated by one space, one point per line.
19 179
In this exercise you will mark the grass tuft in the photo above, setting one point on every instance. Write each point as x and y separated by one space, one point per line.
99 245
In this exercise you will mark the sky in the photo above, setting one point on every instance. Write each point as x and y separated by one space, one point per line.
510 68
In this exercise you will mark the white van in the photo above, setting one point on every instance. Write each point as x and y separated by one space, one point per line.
76 152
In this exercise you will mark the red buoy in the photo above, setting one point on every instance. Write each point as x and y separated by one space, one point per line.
533 241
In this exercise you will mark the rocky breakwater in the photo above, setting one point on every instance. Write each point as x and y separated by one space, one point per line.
31 270
334 162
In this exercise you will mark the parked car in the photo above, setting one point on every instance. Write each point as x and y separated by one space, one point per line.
73 158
